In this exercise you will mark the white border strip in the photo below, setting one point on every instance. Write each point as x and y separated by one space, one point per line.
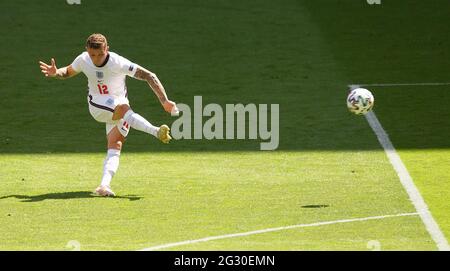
406 180
207 239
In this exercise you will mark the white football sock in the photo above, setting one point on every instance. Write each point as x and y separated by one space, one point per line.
110 166
137 122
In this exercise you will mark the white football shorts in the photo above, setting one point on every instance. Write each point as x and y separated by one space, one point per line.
102 109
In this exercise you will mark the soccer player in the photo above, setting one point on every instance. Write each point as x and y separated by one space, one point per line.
107 98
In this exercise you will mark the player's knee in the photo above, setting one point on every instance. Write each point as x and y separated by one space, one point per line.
120 111
116 144
115 139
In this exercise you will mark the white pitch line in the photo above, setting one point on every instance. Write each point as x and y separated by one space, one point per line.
226 236
399 84
406 180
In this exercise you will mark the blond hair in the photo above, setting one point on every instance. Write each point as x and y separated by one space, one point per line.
96 41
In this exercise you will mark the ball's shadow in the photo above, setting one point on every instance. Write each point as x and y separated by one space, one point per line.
314 206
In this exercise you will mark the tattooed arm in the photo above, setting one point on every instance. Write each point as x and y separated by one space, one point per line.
156 86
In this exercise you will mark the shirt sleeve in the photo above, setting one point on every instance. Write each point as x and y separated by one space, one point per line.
126 66
76 64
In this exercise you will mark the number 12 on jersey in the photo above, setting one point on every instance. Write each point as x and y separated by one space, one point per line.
103 89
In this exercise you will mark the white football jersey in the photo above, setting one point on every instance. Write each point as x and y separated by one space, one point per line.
108 80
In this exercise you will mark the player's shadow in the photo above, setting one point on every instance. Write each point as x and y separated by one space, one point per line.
65 196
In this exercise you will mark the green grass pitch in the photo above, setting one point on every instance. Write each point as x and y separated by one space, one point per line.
301 55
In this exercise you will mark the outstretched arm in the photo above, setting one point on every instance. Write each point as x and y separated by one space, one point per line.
52 71
156 86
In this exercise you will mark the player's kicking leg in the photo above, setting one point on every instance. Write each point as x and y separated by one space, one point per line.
137 122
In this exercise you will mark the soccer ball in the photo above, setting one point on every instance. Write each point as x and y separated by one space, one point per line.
360 101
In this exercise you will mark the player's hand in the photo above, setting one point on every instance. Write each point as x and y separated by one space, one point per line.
170 107
48 70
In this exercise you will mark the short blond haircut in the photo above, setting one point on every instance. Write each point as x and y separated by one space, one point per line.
96 41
